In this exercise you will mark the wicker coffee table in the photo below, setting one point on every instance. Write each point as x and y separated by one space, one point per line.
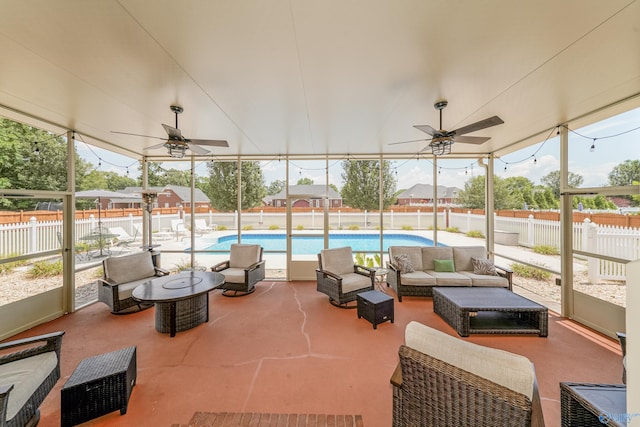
482 310
181 300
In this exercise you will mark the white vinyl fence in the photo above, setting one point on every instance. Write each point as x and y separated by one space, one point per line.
617 242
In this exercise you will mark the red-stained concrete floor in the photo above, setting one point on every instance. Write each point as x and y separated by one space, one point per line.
285 349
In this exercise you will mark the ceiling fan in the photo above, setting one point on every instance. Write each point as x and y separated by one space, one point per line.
441 140
176 144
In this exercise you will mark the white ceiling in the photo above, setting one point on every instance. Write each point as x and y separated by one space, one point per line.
303 77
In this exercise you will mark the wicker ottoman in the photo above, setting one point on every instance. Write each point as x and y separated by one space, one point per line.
375 306
99 385
593 405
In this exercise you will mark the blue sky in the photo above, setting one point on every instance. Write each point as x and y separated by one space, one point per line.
617 140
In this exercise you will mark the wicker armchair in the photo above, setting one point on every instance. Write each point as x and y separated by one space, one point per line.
452 382
121 276
244 268
27 375
340 279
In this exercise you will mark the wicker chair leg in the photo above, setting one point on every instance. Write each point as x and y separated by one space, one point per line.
231 293
344 305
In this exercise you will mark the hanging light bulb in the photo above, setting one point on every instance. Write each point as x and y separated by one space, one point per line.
505 168
37 150
593 146
466 171
535 161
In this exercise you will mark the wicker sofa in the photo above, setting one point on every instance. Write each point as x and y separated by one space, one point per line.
443 381
424 273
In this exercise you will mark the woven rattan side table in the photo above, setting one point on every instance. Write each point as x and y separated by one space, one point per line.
593 405
99 385
375 306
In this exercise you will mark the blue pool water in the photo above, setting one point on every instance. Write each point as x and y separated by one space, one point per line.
308 245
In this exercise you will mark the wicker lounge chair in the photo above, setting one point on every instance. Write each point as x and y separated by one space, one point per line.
622 337
444 381
121 276
244 268
27 375
340 278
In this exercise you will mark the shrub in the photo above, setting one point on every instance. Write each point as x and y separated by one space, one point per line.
546 250
185 264
247 227
299 227
10 266
452 229
371 262
273 227
45 269
354 227
222 228
475 233
407 227
529 272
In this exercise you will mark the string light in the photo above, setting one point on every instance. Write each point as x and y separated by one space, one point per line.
593 146
535 161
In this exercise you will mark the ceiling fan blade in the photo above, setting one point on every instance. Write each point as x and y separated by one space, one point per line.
482 124
413 140
155 147
173 133
209 142
197 149
471 139
426 129
137 134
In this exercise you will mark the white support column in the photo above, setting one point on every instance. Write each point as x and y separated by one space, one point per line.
435 201
489 205
566 224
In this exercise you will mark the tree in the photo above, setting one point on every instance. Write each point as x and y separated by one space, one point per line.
304 181
223 185
275 187
552 180
625 173
31 158
508 193
362 184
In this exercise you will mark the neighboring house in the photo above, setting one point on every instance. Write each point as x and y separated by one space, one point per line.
422 194
306 196
171 196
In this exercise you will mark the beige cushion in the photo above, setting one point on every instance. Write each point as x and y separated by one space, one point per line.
353 281
338 260
510 370
26 375
430 253
486 280
129 268
242 255
233 275
450 279
414 253
462 256
126 289
417 278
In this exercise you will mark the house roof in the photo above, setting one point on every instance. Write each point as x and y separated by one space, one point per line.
184 193
425 191
312 190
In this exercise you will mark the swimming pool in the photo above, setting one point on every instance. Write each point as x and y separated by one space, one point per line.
308 245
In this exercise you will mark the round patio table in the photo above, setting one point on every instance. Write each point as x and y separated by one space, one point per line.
181 300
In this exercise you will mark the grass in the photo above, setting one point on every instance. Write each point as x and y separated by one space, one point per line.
45 269
546 250
475 233
184 264
10 266
530 272
452 229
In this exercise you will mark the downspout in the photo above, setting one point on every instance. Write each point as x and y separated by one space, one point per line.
435 200
489 203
